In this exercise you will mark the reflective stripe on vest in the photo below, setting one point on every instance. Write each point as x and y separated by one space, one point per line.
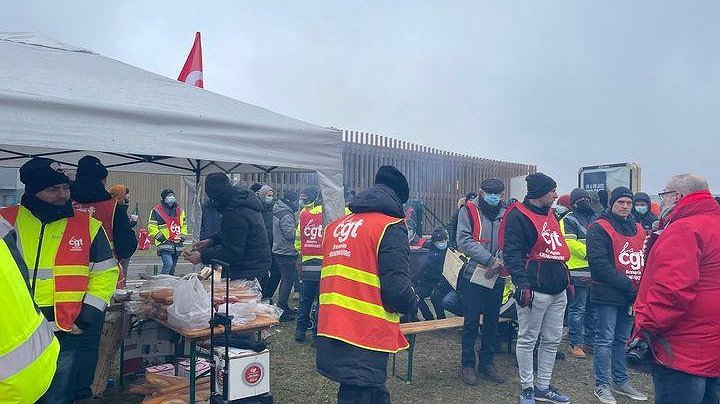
172 223
627 251
550 244
351 308
70 263
311 232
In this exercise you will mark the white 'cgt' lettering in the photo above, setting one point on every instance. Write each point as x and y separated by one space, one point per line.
628 256
347 229
551 238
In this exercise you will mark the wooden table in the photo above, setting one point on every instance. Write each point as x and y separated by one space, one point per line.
193 336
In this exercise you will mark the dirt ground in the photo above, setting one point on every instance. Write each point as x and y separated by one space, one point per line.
437 354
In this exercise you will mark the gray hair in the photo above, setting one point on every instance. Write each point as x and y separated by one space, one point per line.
688 183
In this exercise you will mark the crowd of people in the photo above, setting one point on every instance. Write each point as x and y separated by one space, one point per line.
609 268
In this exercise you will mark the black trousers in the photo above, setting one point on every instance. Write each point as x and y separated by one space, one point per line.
476 300
349 394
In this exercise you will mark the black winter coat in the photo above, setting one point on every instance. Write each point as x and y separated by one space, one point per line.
550 277
242 241
608 285
348 364
91 190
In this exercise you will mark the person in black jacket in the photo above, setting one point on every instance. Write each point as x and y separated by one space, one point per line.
641 211
452 226
362 372
613 292
428 280
536 262
242 241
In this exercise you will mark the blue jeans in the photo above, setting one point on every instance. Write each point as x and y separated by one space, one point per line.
673 386
582 318
169 260
307 297
613 330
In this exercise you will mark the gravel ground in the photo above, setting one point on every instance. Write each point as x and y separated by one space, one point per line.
294 379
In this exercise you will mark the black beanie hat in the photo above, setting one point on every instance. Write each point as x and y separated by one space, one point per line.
395 180
642 197
165 193
577 194
216 184
618 193
492 186
40 173
311 193
539 184
90 166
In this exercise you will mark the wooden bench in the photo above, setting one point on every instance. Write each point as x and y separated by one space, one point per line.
410 330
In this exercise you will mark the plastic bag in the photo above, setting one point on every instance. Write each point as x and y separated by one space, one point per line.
191 306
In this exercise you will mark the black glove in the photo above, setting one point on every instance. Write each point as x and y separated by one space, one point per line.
524 296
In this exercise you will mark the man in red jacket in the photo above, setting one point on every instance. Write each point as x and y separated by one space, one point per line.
677 304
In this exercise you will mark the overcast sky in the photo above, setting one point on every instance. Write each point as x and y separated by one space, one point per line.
557 84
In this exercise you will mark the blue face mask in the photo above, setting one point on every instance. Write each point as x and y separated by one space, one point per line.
441 246
643 209
492 199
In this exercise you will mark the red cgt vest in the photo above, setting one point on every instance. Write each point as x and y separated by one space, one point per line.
71 265
172 222
628 251
351 308
311 233
550 244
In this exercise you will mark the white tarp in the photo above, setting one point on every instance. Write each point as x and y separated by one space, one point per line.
66 101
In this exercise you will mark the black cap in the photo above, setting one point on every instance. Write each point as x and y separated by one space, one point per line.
577 194
90 166
539 184
618 193
166 192
40 173
642 197
492 186
395 180
217 184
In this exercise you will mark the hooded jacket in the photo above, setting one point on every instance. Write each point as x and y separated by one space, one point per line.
679 292
283 228
347 363
608 285
91 190
242 240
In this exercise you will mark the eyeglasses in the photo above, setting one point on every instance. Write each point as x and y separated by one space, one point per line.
663 194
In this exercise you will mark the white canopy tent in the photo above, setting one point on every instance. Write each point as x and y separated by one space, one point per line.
62 102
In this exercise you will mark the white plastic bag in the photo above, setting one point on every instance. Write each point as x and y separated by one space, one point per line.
191 305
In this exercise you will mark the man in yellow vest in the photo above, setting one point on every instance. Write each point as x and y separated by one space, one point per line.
28 348
72 270
308 243
365 286
167 227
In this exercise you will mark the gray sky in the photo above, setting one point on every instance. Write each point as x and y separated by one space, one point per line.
557 84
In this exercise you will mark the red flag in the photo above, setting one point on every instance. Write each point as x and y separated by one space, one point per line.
192 72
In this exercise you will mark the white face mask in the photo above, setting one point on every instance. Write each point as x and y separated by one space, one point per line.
170 199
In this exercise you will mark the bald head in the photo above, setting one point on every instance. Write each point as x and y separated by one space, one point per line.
687 183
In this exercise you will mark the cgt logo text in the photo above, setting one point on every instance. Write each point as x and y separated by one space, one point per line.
628 256
312 230
76 244
347 229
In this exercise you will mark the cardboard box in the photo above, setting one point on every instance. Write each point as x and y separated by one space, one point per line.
167 369
201 366
249 372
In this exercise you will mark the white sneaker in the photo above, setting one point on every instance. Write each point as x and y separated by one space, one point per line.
627 390
604 394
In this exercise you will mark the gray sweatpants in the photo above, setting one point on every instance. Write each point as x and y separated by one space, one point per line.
544 320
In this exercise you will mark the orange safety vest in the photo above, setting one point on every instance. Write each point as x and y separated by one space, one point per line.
311 233
351 308
71 266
